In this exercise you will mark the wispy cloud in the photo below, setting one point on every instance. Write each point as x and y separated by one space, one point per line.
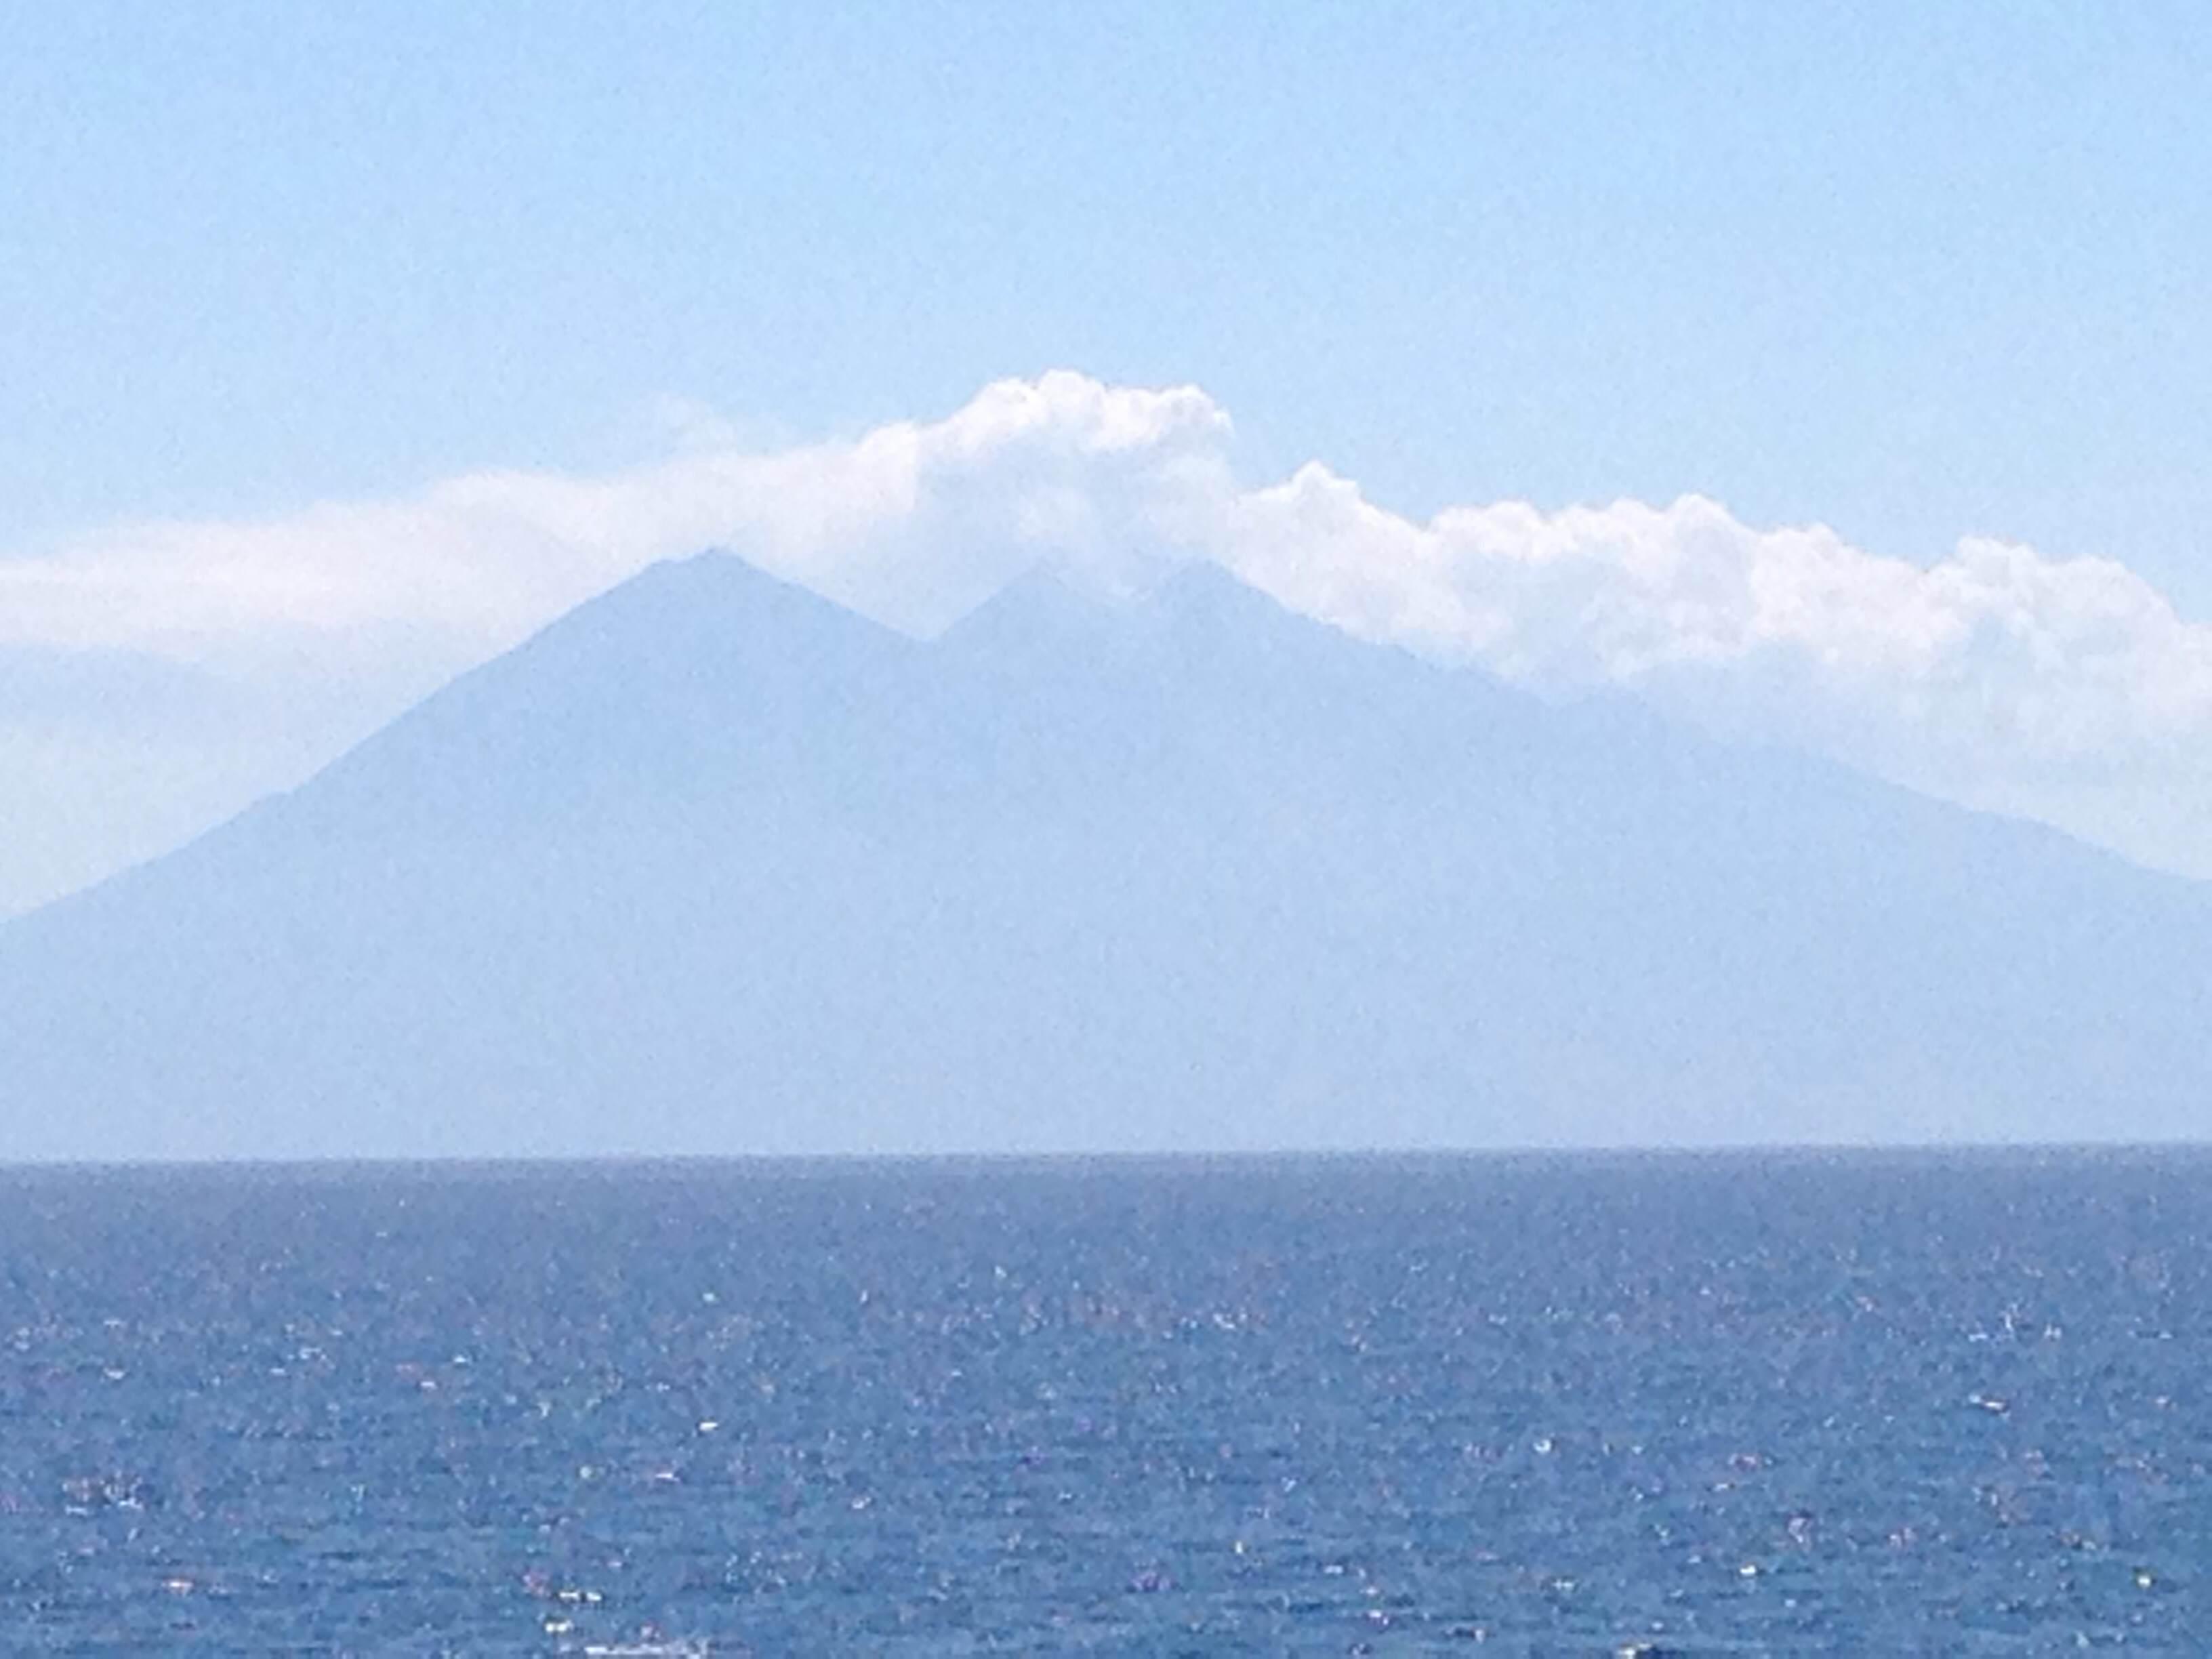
913 522
2069 691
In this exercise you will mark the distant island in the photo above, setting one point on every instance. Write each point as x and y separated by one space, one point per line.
713 865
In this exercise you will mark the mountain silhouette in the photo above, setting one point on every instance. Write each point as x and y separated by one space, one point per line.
712 865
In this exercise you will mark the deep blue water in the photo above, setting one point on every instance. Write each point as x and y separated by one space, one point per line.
1748 1404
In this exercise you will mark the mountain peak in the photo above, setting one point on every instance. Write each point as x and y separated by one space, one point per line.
1196 610
706 597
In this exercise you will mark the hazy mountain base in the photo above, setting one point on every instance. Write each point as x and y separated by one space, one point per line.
712 865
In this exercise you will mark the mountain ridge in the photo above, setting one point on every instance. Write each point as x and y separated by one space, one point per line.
714 865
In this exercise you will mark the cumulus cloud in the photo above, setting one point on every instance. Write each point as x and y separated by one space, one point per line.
2069 691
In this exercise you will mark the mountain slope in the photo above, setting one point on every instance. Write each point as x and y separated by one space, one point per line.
713 865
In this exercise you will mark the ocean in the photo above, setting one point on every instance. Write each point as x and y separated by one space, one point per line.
1756 1403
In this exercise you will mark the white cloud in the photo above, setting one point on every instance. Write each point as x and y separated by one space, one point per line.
2069 690
912 522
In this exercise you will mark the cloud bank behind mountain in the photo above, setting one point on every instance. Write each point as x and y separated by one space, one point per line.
154 677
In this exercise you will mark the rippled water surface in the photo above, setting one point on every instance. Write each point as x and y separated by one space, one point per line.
1756 1404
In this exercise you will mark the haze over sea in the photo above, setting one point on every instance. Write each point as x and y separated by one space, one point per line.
1772 1403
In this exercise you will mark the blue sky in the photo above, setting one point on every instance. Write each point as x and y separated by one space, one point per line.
1913 272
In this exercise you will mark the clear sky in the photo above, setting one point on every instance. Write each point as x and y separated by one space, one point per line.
1915 272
